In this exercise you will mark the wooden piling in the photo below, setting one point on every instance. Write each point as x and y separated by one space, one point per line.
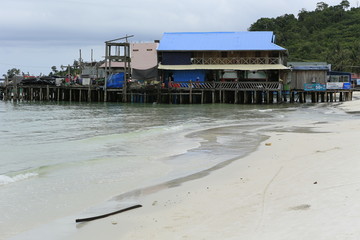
175 95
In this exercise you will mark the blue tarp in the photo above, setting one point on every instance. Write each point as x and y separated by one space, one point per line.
187 75
115 80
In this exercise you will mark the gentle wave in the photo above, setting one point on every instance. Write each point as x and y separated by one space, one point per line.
4 180
265 110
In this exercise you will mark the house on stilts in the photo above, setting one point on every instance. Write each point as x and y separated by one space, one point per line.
223 67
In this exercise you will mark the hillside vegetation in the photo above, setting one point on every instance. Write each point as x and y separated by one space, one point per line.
328 34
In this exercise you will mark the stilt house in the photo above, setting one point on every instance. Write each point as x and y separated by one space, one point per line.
307 74
251 58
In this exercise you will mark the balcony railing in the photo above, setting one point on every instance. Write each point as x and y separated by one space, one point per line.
238 60
254 86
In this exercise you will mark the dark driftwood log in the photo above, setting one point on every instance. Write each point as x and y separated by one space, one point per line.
108 214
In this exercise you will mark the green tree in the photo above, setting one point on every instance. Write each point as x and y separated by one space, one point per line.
355 58
339 58
321 6
330 33
54 69
13 72
345 4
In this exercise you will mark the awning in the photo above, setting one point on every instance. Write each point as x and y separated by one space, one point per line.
243 67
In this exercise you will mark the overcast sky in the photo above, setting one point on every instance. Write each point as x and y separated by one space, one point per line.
38 34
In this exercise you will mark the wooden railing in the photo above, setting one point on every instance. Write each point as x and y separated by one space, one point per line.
238 60
257 86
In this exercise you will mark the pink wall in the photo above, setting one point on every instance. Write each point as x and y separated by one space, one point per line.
143 55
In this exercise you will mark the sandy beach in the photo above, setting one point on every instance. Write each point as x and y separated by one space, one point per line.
301 184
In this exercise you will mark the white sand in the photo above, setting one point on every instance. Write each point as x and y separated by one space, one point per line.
302 186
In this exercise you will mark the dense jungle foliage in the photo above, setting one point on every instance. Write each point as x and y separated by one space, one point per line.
328 34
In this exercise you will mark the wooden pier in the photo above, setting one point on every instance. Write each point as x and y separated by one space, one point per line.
176 93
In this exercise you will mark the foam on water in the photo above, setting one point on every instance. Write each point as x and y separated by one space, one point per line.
265 110
4 180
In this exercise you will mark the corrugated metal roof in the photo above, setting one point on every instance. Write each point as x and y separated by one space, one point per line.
243 67
323 66
219 41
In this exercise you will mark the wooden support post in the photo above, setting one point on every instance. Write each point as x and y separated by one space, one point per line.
15 92
190 97
105 95
243 97
348 96
5 94
278 97
22 93
40 94
27 94
158 94
313 97
89 94
124 95
47 92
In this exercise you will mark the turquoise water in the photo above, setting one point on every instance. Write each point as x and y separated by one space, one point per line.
59 159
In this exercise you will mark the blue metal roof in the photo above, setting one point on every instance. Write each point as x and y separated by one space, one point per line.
219 41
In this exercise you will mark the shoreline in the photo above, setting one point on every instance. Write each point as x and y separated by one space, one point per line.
290 187
294 186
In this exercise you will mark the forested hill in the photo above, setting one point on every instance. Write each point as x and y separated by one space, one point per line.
328 34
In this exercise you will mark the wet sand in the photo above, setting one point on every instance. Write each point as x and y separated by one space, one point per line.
297 185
